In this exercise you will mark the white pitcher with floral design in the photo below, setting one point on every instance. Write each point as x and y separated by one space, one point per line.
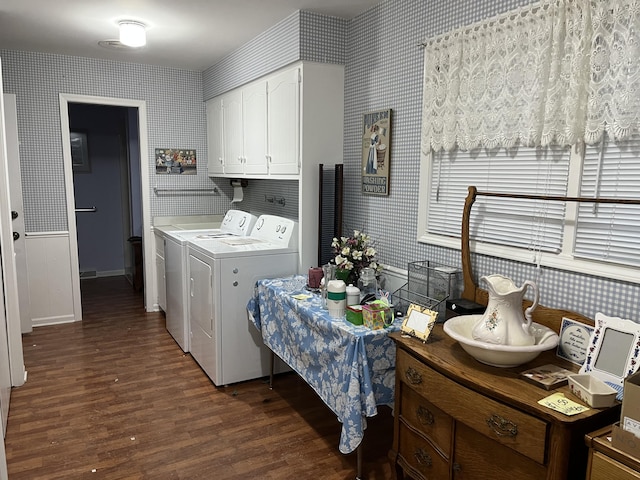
503 322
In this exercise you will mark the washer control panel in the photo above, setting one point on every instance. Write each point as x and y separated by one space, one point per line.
279 230
238 222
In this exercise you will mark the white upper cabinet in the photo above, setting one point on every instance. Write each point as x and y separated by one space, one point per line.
278 126
237 132
232 132
284 122
214 136
254 128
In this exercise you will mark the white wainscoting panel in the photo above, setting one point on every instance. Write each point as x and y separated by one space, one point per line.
49 272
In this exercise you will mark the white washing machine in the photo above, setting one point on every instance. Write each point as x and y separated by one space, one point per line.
222 277
235 223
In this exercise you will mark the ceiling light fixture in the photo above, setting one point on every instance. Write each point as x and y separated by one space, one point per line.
132 33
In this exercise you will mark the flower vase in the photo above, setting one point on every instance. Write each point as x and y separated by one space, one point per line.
344 275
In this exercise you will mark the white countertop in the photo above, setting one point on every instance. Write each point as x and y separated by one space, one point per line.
187 222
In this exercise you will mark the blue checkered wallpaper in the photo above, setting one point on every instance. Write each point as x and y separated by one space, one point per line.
175 118
384 70
301 36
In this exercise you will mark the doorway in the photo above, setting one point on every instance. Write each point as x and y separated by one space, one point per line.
105 159
105 177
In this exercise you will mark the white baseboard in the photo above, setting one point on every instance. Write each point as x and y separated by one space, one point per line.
41 322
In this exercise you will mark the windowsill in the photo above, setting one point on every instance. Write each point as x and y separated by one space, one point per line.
550 260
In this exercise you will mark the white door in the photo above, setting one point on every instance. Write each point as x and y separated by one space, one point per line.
10 322
10 338
17 210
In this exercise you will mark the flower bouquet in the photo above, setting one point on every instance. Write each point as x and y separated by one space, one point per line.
352 254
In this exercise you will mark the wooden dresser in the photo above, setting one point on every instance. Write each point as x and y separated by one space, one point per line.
607 462
459 419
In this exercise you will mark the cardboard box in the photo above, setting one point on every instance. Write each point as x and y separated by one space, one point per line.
625 441
630 416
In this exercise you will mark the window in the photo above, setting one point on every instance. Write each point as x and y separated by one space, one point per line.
610 232
569 235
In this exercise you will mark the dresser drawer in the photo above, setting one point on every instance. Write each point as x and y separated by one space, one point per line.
416 453
605 468
428 419
506 425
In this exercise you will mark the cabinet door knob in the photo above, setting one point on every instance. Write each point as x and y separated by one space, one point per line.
457 467
425 416
422 457
235 284
412 376
501 426
16 236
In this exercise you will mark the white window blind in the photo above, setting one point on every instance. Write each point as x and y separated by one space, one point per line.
531 224
610 232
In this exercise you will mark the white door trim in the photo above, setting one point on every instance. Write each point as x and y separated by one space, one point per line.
141 105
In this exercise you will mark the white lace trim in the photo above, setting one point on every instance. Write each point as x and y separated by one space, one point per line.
558 71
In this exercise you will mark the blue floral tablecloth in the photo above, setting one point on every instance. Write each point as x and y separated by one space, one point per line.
352 368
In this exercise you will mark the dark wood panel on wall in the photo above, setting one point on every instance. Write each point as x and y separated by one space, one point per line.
330 209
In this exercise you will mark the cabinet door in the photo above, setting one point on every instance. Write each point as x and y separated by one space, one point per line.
201 295
284 122
160 282
254 131
215 136
160 272
232 132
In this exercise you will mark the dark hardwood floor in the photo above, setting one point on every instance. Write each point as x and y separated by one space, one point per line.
114 397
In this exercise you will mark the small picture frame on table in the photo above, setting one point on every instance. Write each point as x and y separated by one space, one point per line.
614 351
419 321
574 341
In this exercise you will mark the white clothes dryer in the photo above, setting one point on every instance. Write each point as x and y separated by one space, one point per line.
235 223
222 277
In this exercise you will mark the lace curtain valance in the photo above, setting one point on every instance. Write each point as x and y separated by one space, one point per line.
558 71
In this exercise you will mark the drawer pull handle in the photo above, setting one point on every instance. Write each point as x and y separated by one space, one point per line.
422 457
501 426
413 376
425 416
